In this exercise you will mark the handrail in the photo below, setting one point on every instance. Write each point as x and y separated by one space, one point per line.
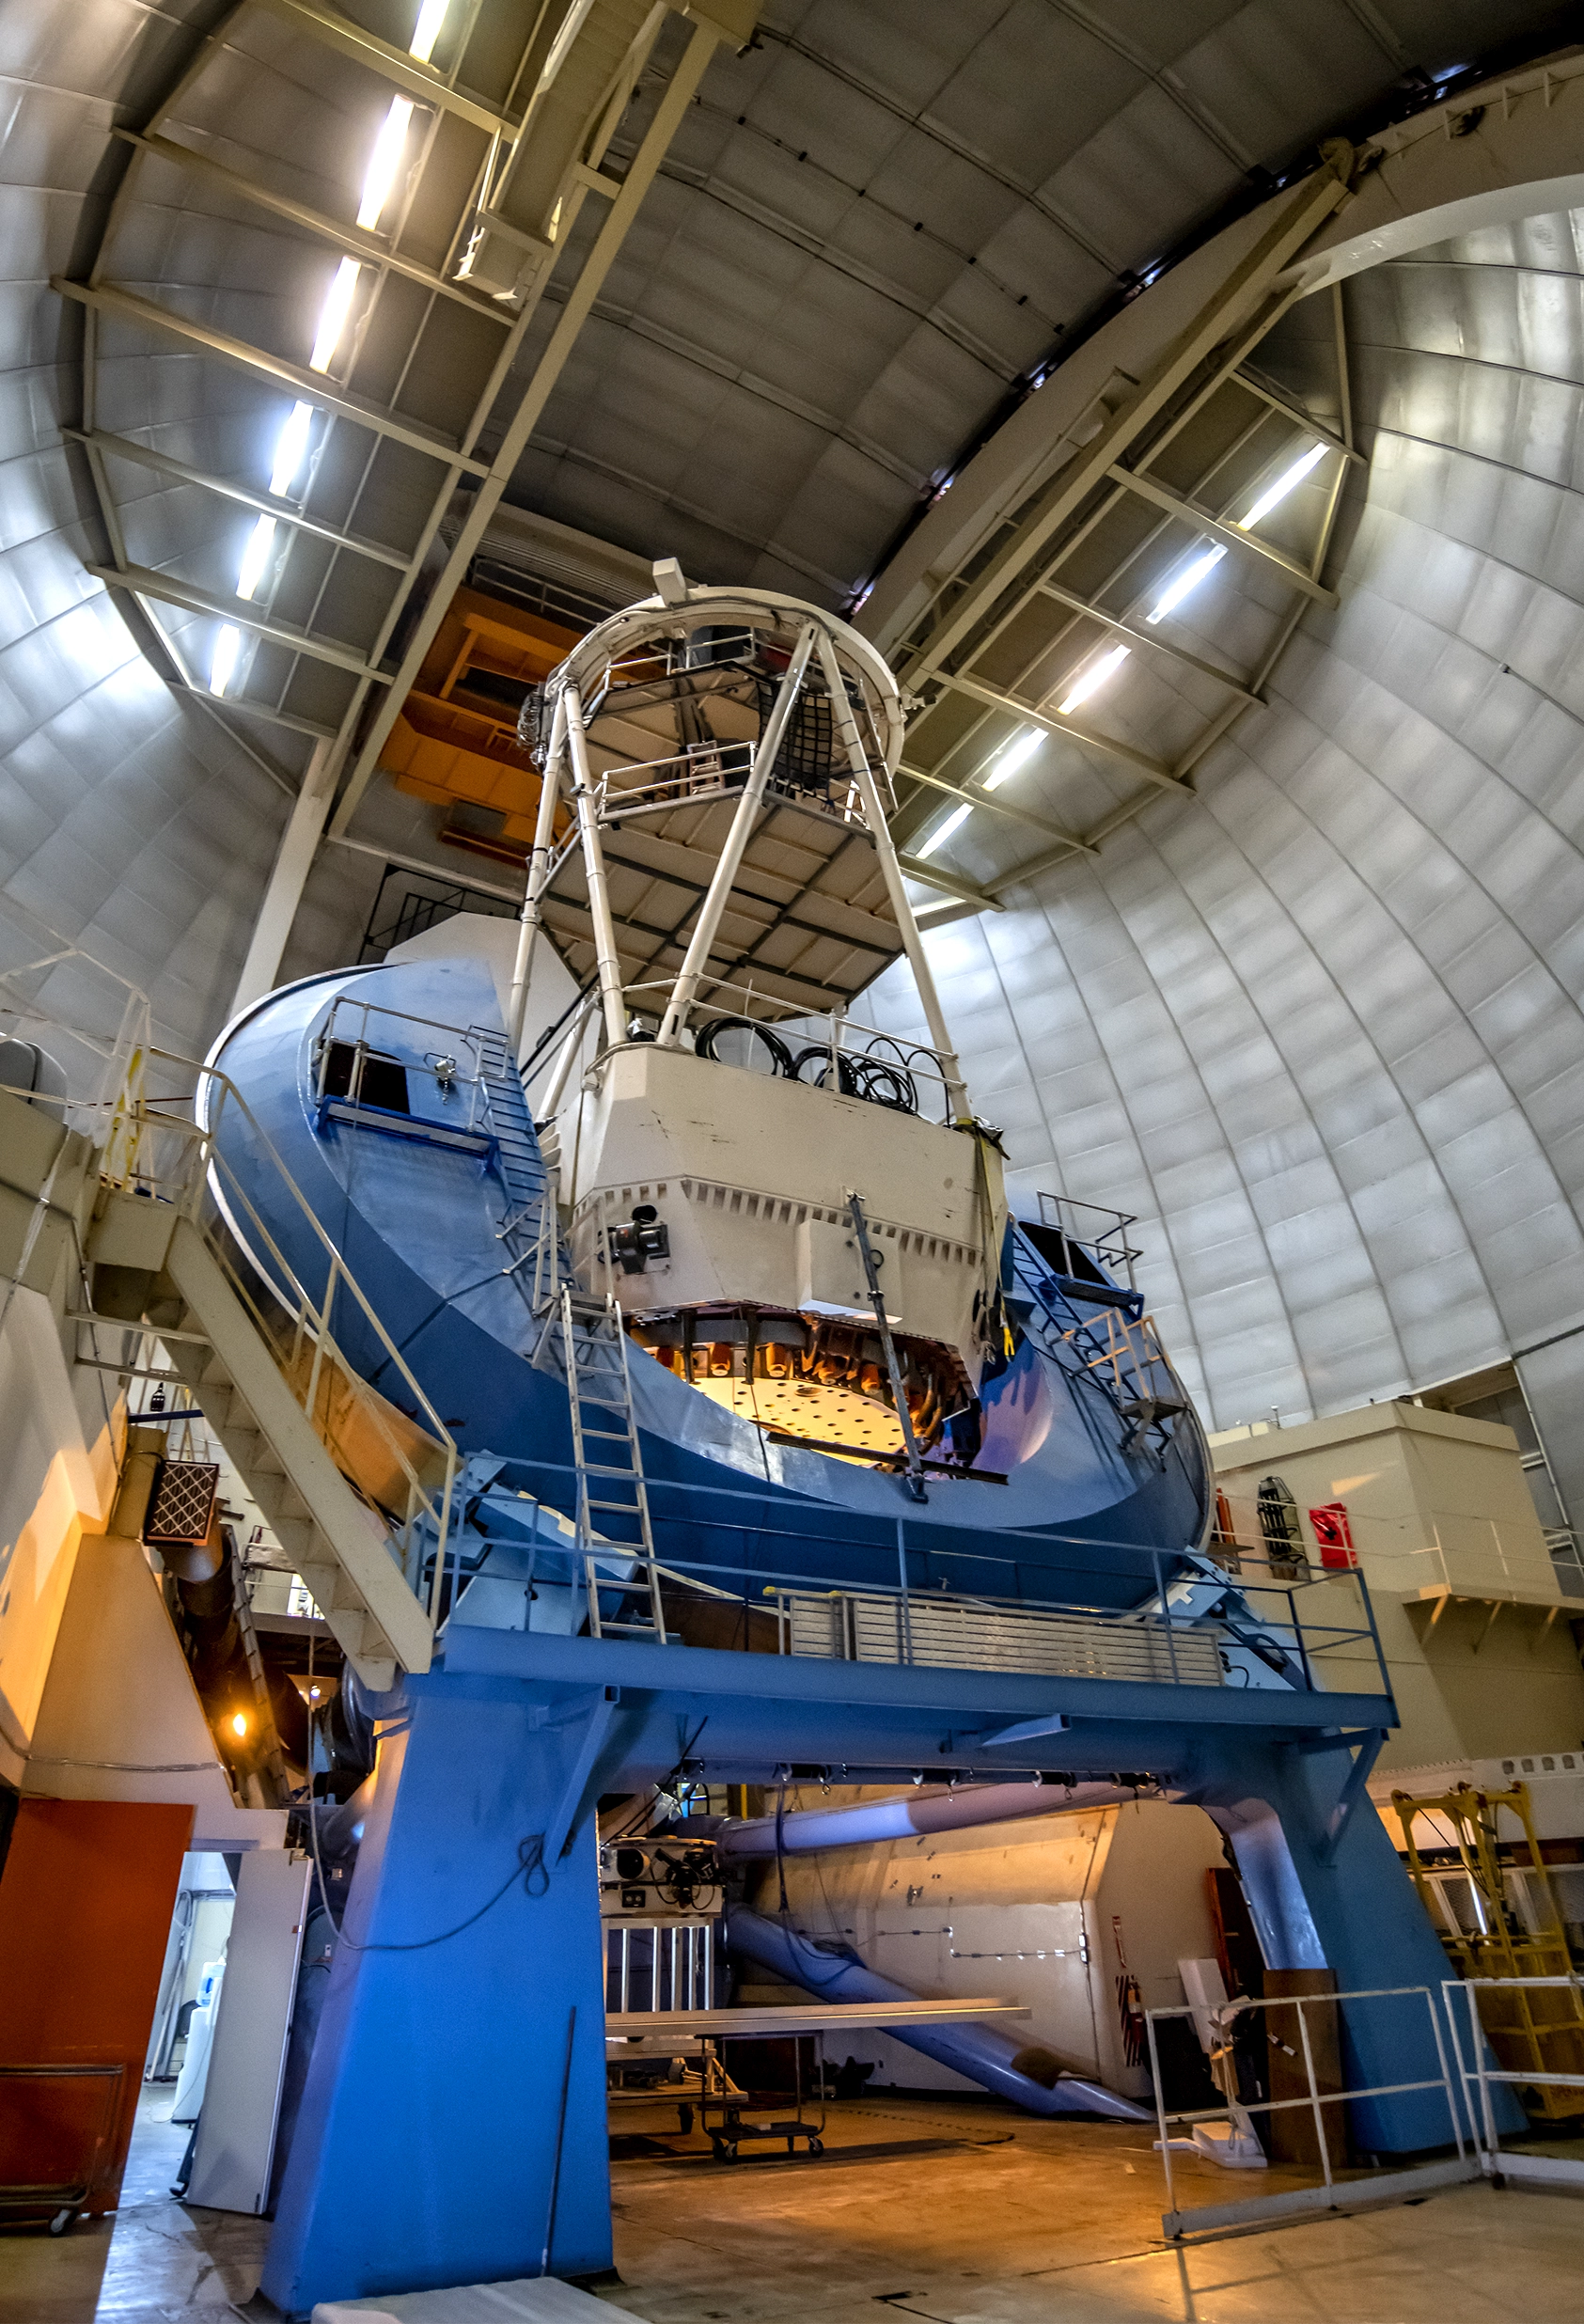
123 1053
1316 1642
799 1015
206 1170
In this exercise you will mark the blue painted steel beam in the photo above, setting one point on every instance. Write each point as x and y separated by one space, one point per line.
909 1690
425 2149
426 2144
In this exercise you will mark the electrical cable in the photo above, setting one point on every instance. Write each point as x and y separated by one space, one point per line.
530 1865
628 1829
780 1055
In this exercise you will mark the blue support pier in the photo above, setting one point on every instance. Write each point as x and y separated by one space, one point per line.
434 2117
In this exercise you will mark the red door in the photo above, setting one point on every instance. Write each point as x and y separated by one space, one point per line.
86 1901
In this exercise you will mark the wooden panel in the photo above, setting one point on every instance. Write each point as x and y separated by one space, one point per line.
1293 2135
1237 1947
86 1901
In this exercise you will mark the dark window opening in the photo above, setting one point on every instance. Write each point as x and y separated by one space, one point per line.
1061 1253
383 1082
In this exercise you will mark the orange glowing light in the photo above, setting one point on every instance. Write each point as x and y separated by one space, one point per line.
239 1724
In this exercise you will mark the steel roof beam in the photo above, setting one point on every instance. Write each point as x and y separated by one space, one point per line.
372 248
239 611
975 795
1054 723
1204 394
951 884
1143 637
312 386
667 118
123 447
1218 726
1296 413
1299 216
391 63
254 709
1232 536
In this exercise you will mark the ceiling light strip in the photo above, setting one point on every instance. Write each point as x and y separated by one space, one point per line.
401 66
1233 535
110 299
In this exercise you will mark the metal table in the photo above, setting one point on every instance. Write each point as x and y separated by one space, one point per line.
723 2109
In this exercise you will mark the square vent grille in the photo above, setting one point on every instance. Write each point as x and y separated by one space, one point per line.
181 1508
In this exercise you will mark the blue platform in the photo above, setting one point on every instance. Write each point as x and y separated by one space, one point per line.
435 2098
453 2126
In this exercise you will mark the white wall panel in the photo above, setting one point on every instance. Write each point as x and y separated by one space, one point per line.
1322 1029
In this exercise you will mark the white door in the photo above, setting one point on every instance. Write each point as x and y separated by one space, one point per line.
247 2060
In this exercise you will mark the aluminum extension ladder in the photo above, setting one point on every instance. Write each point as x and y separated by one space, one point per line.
610 1484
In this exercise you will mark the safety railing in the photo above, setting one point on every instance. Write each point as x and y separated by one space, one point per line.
113 1062
948 1601
1235 2117
698 776
972 1633
659 1965
687 777
1090 1227
1551 2010
403 1468
166 1147
1124 1355
461 1066
822 1048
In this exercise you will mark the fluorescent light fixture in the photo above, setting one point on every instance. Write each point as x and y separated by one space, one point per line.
1188 577
1094 676
1021 747
256 556
431 17
1017 753
291 447
333 314
384 162
943 831
1283 485
224 667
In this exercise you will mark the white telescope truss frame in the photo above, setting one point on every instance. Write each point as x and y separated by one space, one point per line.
868 723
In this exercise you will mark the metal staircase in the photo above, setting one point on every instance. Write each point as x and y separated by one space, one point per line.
341 1473
540 1265
1110 1353
518 1157
338 1541
612 1495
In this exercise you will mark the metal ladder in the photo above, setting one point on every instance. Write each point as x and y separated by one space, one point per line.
610 1484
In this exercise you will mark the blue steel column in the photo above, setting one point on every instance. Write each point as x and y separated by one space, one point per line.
425 2149
1354 1911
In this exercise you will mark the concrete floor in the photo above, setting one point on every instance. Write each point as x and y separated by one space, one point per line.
151 2262
954 2211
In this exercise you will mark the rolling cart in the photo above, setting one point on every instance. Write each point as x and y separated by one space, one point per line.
732 2117
75 2140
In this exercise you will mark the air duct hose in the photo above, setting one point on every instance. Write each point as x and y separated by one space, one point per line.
1024 2072
917 1812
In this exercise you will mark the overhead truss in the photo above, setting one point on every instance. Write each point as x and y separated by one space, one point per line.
1169 469
428 397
